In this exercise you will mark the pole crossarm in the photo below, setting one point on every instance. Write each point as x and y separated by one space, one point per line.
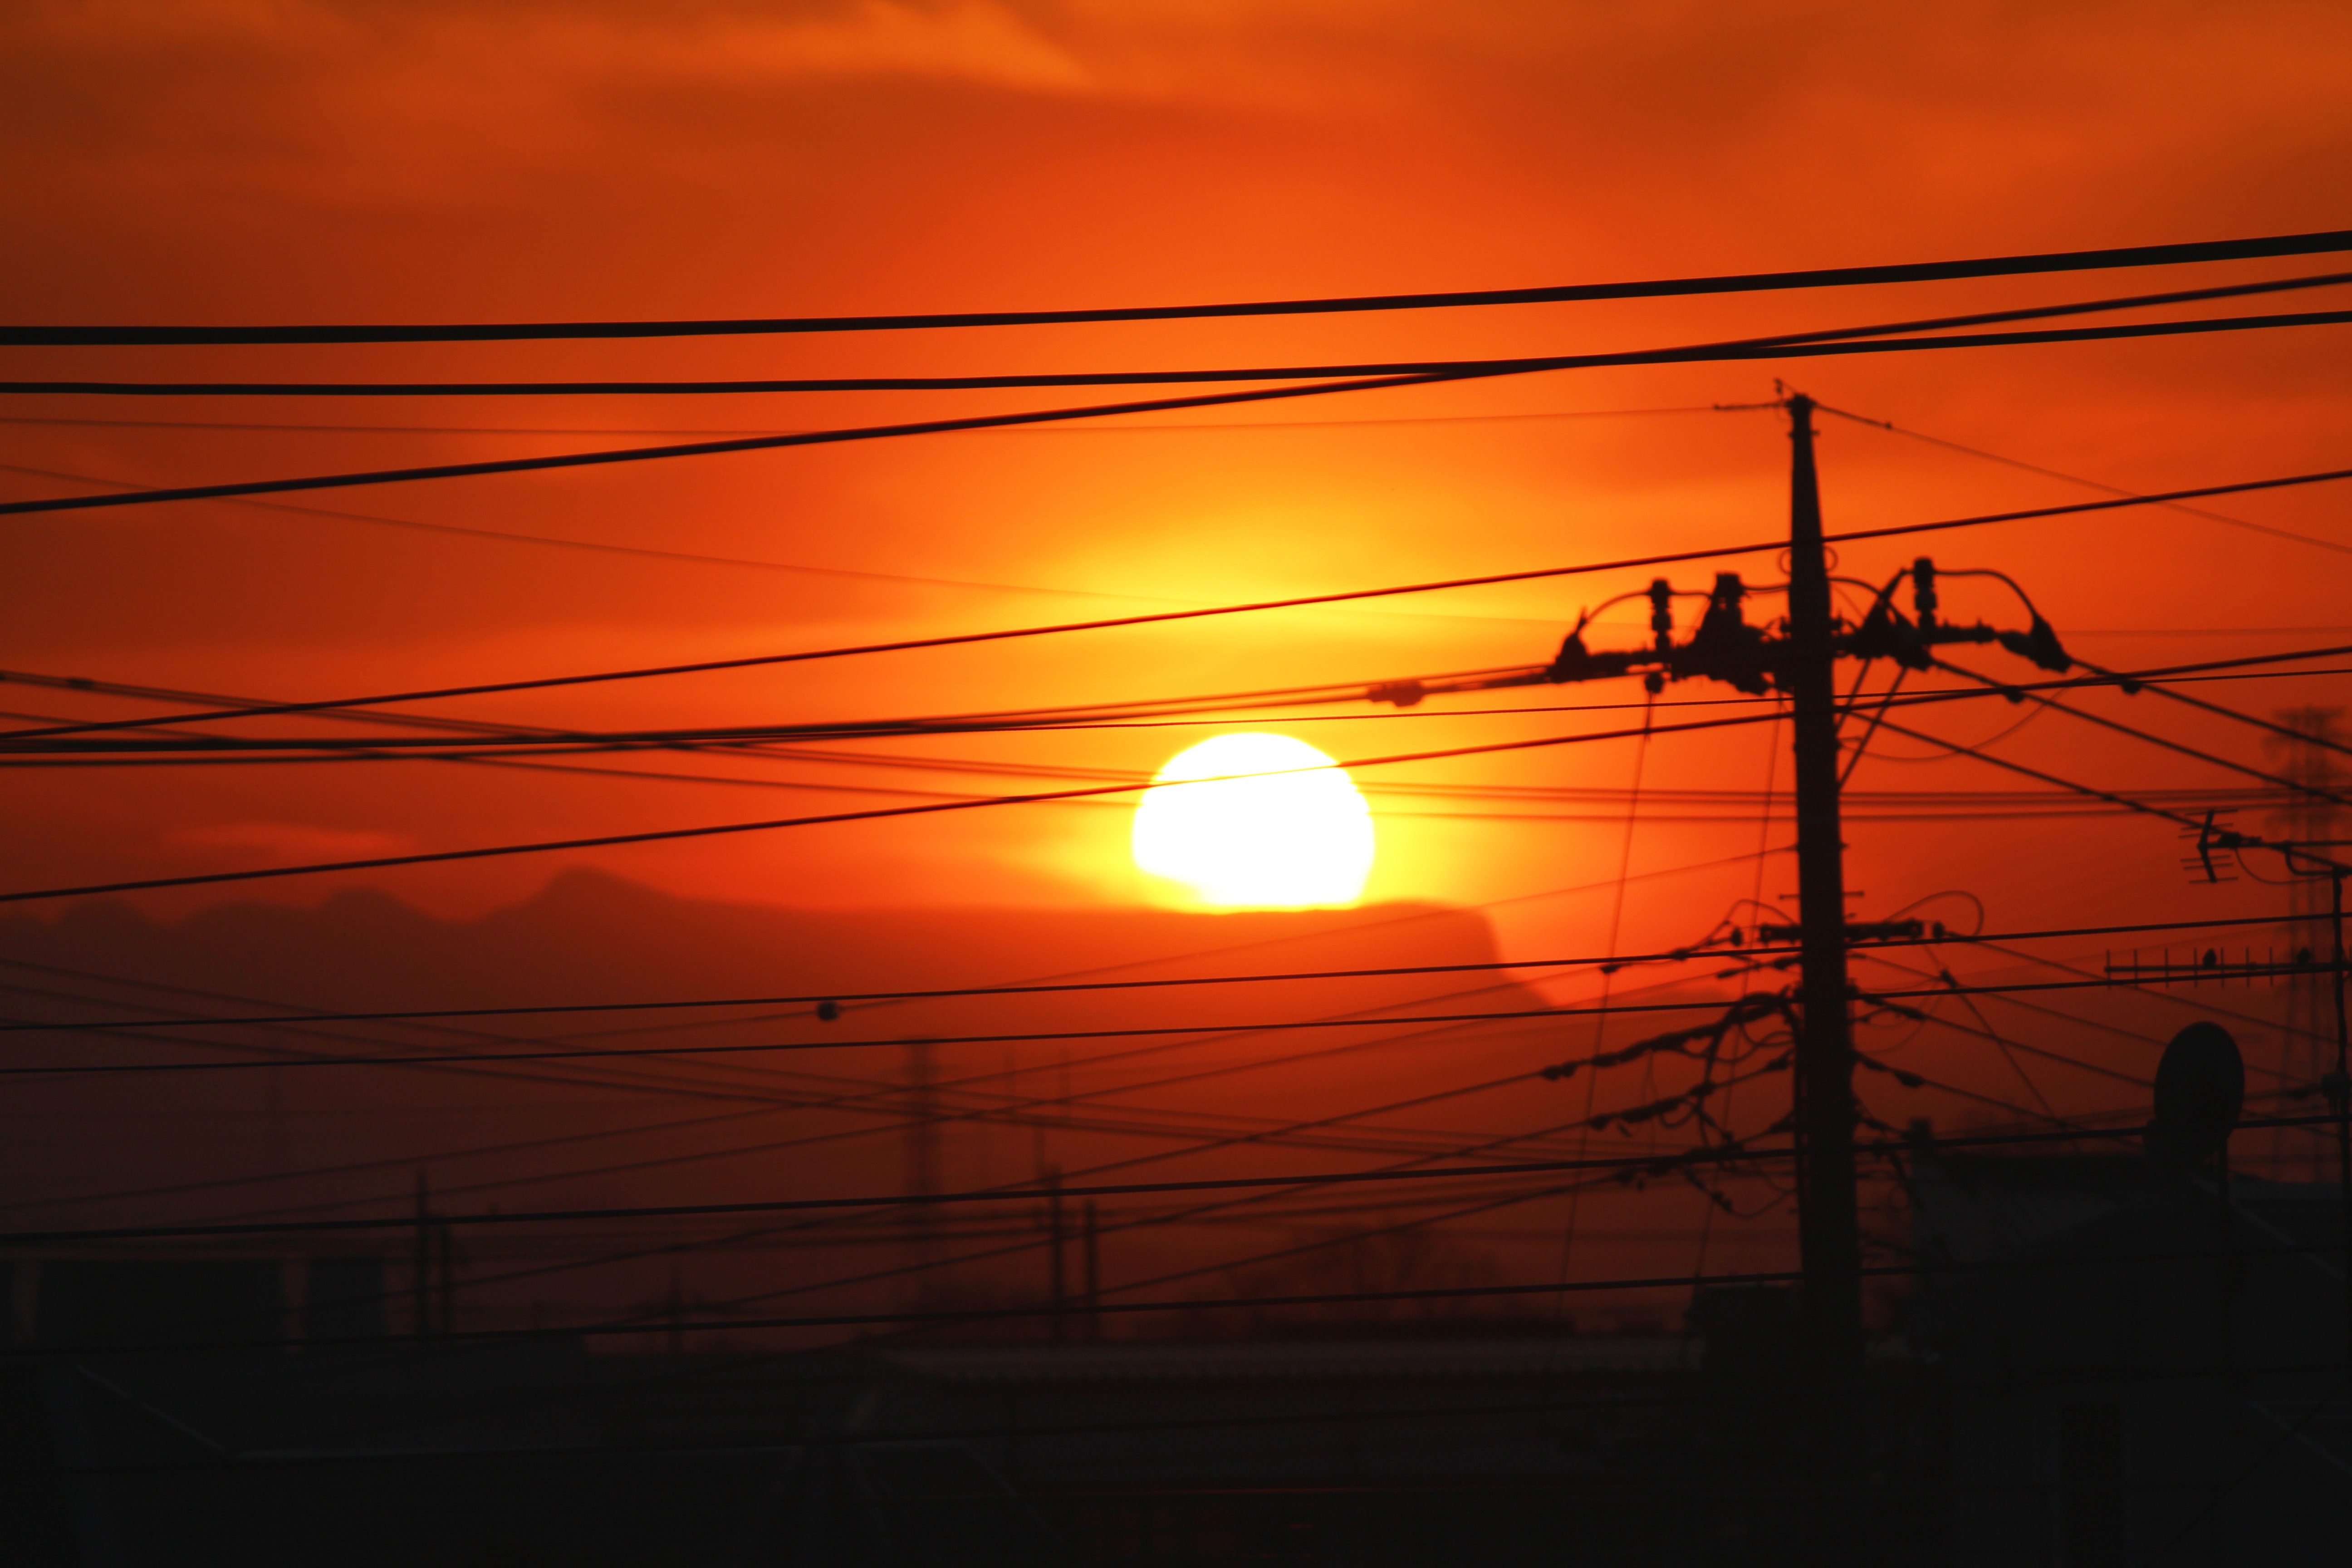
1757 659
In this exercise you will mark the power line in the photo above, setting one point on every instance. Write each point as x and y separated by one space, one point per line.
1223 1303
1164 377
1031 1194
2201 1004
1366 1017
1893 428
1469 370
1305 1183
162 724
2277 781
1984 756
876 814
849 997
985 1113
1182 429
1276 1134
1182 1215
2283 732
758 738
1031 1103
885 1000
1176 1216
606 1053
1740 283
1988 1033
738 737
957 640
596 547
693 558
157 735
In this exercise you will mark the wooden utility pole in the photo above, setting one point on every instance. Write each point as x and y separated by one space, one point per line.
1828 1226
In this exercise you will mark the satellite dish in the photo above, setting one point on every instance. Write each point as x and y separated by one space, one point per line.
2201 1086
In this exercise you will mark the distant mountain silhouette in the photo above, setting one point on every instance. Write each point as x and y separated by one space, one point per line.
305 1140
590 936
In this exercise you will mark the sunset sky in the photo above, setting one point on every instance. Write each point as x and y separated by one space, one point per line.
286 161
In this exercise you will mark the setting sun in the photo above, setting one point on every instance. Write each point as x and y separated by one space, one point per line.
1299 835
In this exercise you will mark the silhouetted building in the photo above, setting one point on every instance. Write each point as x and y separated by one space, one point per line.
2154 1368
113 1301
344 1298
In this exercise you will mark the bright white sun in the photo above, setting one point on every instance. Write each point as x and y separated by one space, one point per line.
1297 835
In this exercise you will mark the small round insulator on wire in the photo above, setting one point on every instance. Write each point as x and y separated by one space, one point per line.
828 1011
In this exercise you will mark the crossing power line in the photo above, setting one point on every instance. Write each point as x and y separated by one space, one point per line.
1166 377
851 998
2174 255
1469 370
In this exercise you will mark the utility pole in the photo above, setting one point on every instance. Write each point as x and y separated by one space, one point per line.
1828 1227
1800 661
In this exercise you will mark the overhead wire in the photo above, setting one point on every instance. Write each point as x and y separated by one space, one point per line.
637 551
1142 1051
1363 1017
1189 1216
1437 368
599 547
2142 808
1602 1011
705 667
1257 1136
2283 732
850 998
1986 1031
154 737
721 829
918 1268
2204 1005
1475 371
2240 523
1038 1192
665 835
880 999
970 1315
1980 1139
772 430
1304 1183
2173 255
571 1074
608 1053
2277 781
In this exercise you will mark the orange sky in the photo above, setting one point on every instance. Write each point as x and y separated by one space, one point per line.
229 161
